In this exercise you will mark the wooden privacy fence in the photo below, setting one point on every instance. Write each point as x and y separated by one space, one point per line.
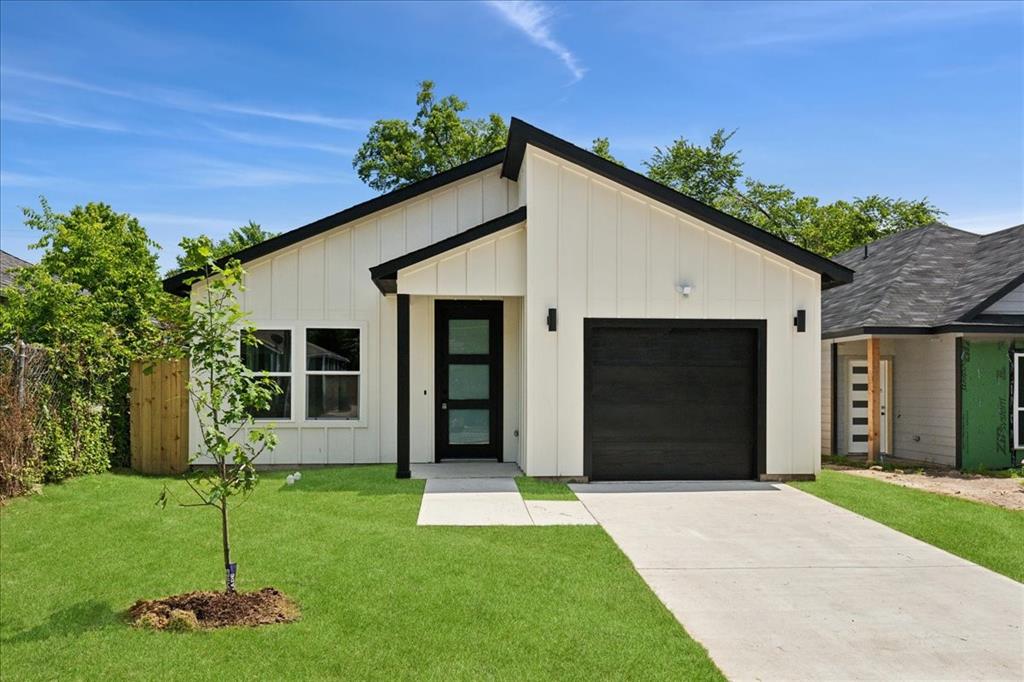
159 416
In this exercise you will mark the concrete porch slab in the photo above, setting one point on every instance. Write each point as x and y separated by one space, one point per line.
465 470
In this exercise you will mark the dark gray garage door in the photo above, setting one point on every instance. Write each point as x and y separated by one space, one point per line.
673 399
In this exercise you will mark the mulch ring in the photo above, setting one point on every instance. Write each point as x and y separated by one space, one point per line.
208 610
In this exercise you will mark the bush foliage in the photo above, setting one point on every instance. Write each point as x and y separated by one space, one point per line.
93 303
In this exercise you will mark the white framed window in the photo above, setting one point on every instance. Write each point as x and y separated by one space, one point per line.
273 355
1018 401
333 373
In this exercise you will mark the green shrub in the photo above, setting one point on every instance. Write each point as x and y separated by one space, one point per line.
73 439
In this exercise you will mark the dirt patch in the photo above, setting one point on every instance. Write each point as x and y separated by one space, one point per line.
1002 492
208 610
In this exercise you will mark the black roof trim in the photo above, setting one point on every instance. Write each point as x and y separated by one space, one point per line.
385 275
963 328
973 313
176 284
522 133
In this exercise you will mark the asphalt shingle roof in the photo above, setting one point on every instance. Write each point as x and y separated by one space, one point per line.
8 264
926 277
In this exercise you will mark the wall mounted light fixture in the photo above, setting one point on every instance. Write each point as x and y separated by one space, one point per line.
684 289
552 319
800 320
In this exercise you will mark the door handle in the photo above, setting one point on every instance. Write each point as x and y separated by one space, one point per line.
444 406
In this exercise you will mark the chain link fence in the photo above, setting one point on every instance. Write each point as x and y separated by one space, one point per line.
26 389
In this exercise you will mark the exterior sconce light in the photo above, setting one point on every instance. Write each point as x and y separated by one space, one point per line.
552 319
684 289
800 320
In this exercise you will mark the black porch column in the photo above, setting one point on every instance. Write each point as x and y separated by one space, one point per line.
403 387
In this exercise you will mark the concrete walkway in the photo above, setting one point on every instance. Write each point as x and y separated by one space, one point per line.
780 585
485 494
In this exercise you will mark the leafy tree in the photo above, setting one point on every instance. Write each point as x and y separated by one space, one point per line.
701 172
239 238
223 392
603 148
95 301
397 152
713 175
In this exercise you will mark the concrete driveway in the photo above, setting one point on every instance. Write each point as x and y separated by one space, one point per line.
779 585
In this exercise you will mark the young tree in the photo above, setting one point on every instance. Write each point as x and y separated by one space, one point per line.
397 152
223 392
239 238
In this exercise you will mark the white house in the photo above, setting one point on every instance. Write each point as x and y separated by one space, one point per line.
545 306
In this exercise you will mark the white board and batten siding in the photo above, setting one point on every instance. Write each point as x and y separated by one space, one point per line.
325 281
494 265
597 249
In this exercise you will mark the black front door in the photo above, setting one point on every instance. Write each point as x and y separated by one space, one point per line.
467 415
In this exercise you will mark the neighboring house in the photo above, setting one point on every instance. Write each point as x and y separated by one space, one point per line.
942 310
8 264
541 305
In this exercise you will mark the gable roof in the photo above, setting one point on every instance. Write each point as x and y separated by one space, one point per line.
511 158
8 264
926 280
385 275
176 284
521 134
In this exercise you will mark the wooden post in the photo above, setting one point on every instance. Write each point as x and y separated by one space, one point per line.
874 400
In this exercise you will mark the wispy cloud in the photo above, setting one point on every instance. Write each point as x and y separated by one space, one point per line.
22 115
281 142
779 25
216 173
534 19
185 101
188 223
9 179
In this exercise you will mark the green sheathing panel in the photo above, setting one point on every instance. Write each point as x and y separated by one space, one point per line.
985 393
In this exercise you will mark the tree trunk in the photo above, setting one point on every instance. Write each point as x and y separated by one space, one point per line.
229 573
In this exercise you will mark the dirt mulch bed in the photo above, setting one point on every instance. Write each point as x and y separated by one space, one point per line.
208 610
1002 492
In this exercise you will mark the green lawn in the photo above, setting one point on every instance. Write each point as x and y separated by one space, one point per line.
535 489
987 535
381 597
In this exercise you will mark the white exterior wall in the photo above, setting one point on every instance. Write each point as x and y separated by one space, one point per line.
325 280
596 249
924 381
494 265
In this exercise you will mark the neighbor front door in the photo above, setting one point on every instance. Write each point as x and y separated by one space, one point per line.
468 381
857 440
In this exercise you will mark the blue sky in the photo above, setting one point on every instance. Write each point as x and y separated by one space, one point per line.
200 117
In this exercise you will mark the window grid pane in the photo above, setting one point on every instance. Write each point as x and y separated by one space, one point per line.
332 350
281 403
272 352
332 396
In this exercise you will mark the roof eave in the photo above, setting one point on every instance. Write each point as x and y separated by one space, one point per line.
176 284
